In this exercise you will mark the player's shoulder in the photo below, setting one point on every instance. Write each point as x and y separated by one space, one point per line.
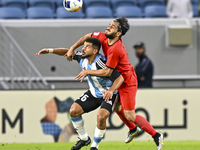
96 33
101 57
117 47
119 43
99 35
78 53
77 56
100 61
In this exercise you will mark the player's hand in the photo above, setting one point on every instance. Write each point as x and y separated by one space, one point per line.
82 75
43 51
70 55
107 95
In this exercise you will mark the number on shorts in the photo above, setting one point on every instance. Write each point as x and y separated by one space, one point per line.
84 98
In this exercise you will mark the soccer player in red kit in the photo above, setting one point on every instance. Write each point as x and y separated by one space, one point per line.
117 58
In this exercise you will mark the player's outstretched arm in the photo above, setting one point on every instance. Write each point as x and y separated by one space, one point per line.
106 72
80 42
57 51
116 84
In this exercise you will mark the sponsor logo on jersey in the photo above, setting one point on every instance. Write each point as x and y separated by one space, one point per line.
96 33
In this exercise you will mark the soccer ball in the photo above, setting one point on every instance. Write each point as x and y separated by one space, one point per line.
72 5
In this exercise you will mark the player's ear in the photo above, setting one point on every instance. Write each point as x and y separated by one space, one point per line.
95 51
119 34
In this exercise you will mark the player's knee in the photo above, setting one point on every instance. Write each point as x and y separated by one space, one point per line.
101 119
73 111
130 116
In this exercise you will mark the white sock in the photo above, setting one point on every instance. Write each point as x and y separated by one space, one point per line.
79 126
98 135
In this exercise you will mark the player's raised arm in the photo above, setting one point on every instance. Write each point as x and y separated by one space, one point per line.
57 51
70 53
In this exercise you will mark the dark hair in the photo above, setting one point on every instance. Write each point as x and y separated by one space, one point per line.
123 25
95 42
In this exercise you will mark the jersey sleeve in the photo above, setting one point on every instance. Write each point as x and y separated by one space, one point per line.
115 74
112 58
77 56
100 64
99 35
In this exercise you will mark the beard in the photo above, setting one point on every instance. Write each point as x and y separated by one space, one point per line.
139 56
111 36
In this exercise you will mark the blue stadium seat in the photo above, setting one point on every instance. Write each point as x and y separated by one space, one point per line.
98 12
145 3
63 13
59 3
195 9
42 3
155 12
128 11
11 13
195 2
39 13
22 4
89 3
117 3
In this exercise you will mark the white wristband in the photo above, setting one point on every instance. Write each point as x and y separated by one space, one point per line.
50 50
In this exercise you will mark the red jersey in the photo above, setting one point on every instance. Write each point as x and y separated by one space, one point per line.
117 58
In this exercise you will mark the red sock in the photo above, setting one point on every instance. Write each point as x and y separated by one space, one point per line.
128 123
144 125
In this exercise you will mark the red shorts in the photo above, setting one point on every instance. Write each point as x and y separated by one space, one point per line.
127 96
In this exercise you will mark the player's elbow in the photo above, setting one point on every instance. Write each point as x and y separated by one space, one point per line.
107 72
121 79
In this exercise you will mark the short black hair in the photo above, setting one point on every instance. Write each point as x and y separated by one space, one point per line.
123 25
95 42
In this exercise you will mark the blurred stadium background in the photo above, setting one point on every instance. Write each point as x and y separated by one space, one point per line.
36 92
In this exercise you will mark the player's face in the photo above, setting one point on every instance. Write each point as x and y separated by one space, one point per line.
87 50
111 30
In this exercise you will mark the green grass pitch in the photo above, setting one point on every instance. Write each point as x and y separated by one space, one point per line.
135 145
